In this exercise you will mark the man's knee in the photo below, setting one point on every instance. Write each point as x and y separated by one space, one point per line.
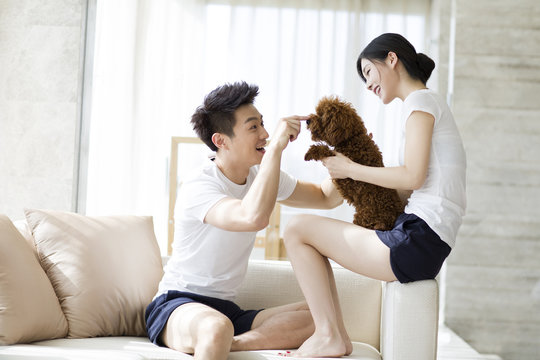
193 326
297 306
215 330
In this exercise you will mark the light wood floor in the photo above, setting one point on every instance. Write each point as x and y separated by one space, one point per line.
452 347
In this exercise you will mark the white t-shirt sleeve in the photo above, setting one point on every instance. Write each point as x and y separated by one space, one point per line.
287 184
200 196
421 101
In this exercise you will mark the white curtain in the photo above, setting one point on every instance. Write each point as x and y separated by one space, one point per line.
156 59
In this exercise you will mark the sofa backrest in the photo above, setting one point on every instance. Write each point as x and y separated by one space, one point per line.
272 283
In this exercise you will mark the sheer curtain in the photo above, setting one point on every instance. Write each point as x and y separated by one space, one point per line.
155 60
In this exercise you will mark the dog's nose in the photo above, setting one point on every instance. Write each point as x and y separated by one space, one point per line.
308 121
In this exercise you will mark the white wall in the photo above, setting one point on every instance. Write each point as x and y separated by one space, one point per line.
40 43
493 282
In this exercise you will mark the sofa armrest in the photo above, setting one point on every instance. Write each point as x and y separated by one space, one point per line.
409 323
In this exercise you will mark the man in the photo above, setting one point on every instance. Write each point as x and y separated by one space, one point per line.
219 210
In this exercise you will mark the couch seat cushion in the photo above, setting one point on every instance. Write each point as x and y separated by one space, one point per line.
125 347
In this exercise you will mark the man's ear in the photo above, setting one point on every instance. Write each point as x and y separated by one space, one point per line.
219 140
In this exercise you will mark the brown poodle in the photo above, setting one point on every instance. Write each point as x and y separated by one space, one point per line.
337 124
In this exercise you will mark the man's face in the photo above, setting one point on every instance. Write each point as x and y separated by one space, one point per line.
247 144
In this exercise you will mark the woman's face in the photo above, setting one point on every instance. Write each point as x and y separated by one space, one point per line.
378 79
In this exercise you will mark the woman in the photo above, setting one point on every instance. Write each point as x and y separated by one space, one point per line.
432 171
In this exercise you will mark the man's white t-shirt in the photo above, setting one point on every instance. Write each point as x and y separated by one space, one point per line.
441 201
207 260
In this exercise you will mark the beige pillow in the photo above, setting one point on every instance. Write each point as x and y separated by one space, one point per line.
29 309
105 270
25 231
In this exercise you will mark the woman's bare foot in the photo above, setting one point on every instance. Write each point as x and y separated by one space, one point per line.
348 348
323 345
348 344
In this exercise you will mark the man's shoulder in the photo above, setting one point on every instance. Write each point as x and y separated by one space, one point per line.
205 171
203 177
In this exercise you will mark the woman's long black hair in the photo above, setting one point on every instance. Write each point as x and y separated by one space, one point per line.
418 65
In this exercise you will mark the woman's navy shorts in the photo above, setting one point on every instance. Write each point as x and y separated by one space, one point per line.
416 251
160 309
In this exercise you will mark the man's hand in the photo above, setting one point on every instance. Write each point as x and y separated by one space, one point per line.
287 130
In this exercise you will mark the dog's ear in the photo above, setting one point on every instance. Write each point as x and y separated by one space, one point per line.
337 130
347 122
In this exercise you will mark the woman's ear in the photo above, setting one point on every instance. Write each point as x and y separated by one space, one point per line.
392 58
219 140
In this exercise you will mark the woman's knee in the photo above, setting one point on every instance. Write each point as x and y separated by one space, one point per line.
296 227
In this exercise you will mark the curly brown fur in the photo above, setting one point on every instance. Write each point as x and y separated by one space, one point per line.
337 124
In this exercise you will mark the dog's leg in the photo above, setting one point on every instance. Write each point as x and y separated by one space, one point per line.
318 152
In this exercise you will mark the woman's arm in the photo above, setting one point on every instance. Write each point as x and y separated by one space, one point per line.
410 176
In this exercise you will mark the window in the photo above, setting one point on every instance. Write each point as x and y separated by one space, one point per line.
153 62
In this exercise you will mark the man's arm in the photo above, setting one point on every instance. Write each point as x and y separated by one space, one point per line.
252 213
309 195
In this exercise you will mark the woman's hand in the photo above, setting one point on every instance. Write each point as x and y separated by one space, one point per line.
338 166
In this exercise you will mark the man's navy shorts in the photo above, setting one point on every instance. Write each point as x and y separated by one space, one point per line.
160 309
416 251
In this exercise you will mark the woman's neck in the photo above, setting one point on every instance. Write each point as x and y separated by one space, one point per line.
408 85
410 88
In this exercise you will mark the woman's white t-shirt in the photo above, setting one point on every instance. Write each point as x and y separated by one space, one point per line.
441 201
207 260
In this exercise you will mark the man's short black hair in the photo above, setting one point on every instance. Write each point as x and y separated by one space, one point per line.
216 114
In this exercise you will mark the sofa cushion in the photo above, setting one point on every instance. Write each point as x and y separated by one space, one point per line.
25 231
29 308
104 269
125 347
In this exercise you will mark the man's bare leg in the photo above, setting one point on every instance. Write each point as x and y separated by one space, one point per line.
281 327
197 329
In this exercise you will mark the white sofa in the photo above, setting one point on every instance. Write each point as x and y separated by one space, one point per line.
389 321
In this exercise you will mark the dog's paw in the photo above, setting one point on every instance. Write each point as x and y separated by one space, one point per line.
318 152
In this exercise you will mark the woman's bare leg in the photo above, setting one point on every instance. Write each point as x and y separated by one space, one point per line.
339 313
310 240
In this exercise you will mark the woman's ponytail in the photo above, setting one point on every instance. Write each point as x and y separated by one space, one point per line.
425 66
